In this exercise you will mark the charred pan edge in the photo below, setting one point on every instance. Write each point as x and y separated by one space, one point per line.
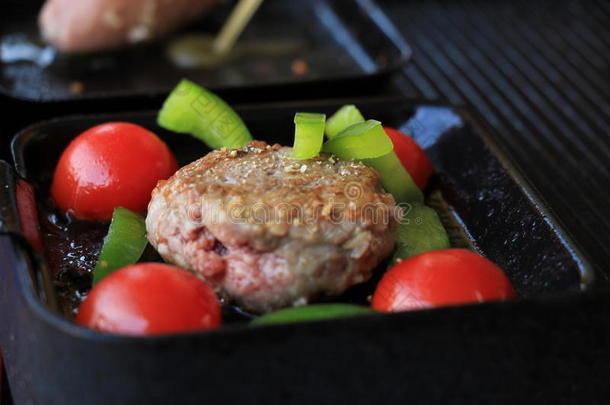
483 128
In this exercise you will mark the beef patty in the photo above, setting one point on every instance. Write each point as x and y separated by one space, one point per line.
267 231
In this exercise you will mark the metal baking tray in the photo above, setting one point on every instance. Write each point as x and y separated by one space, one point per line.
434 354
336 39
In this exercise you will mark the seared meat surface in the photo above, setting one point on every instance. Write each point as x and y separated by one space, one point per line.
93 25
267 231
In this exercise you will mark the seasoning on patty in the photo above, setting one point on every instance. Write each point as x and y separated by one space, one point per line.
267 231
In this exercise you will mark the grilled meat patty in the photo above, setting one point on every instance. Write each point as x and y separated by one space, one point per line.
267 231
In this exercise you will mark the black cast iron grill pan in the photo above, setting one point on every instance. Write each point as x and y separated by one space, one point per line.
50 358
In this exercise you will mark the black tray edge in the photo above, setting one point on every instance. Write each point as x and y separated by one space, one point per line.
535 198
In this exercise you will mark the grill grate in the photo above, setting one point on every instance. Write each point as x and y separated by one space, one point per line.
538 72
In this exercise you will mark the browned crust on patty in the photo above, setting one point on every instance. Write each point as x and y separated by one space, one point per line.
326 224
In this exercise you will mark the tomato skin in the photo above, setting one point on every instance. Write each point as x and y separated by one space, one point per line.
148 299
412 157
111 165
439 278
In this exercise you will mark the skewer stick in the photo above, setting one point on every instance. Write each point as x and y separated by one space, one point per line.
239 18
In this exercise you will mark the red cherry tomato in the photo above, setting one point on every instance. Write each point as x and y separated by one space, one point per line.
412 157
111 165
438 278
150 298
